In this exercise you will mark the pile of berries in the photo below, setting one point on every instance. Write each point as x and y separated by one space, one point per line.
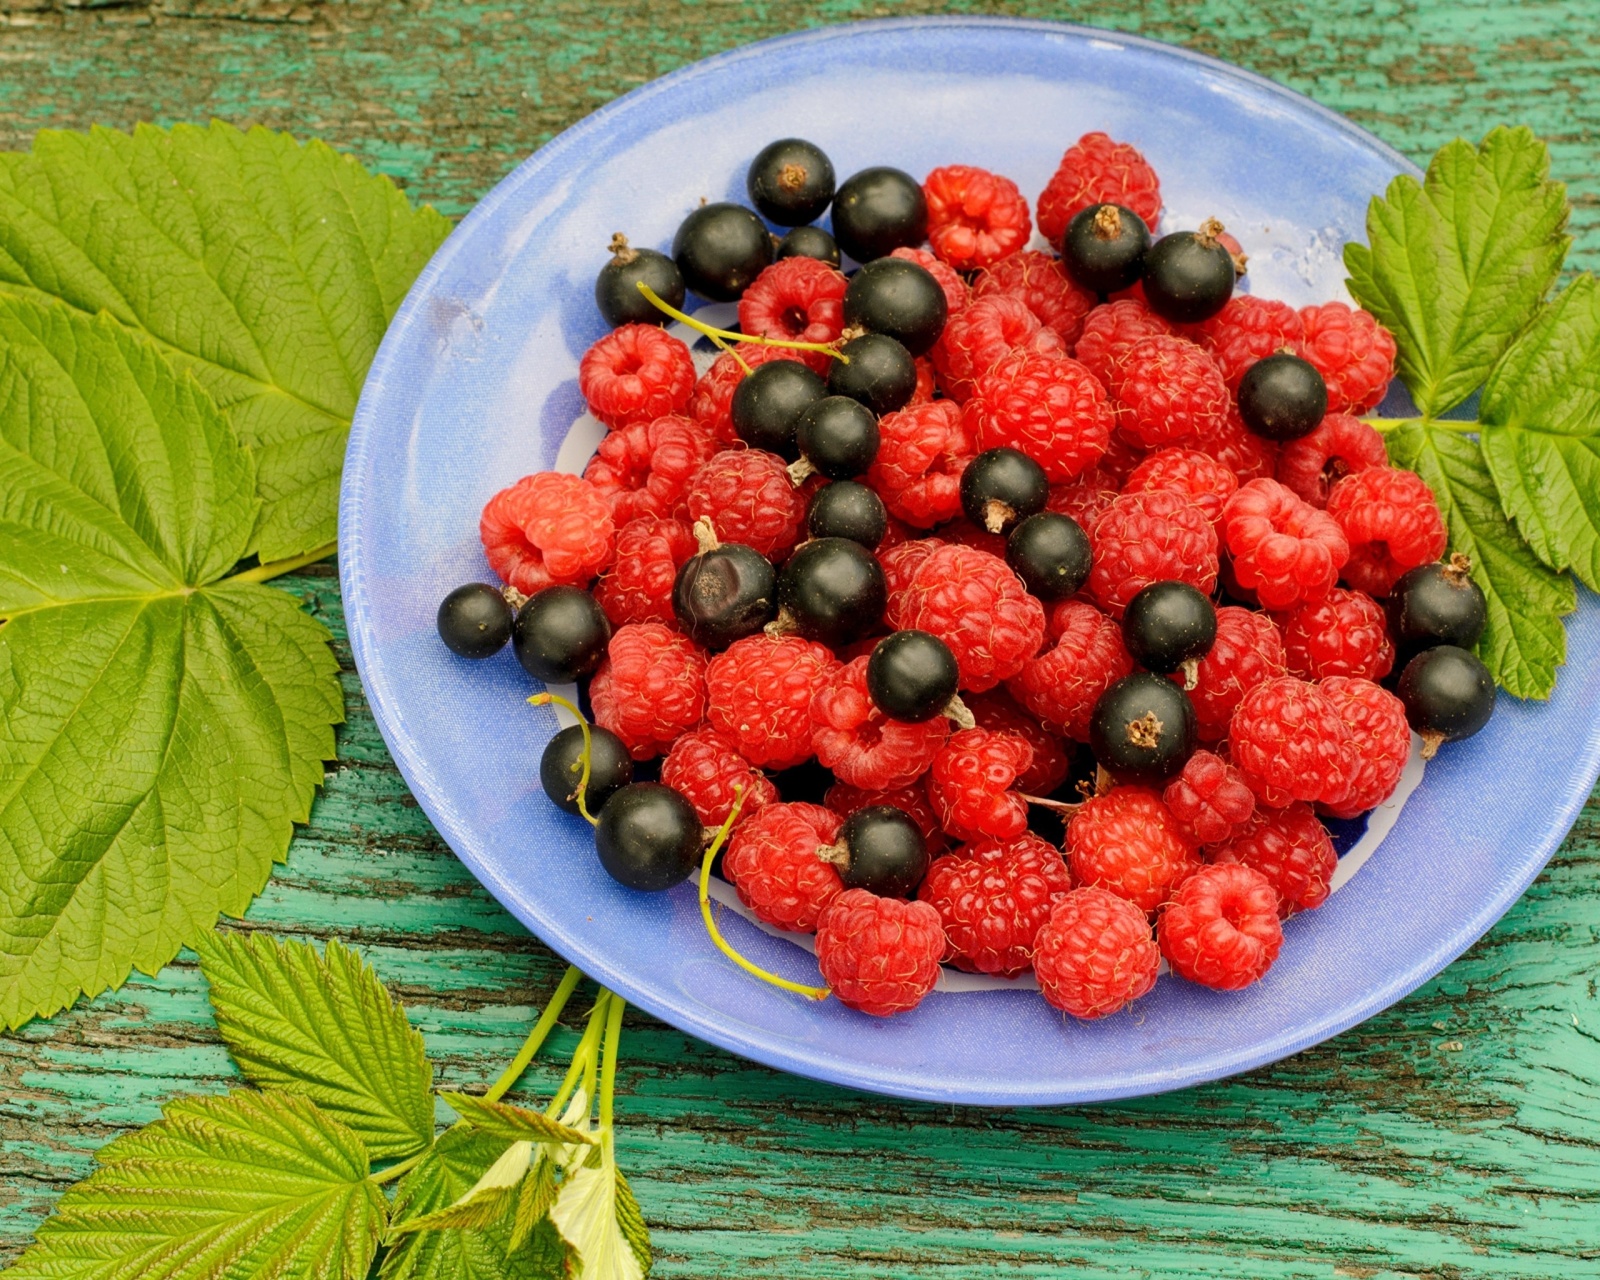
1012 608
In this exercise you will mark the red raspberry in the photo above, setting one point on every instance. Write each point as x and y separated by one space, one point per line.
1150 537
748 497
879 955
1392 522
1126 841
1353 353
912 801
548 528
996 712
862 746
968 534
1313 464
974 217
976 337
706 769
1283 549
650 689
1248 651
799 300
970 785
1239 449
992 898
1209 800
1096 170
1377 723
1168 391
1221 929
1044 287
1063 683
1289 743
644 469
774 862
926 386
1085 500
636 373
712 401
1095 954
1292 850
899 564
759 693
638 586
974 603
1345 634
1111 331
1202 479
1048 407
956 294
1122 457
1248 329
922 451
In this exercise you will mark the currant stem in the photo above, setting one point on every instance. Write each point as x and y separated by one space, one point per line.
536 1037
544 699
262 572
608 1071
700 326
1060 806
583 1056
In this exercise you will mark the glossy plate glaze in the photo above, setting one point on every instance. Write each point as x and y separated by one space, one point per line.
475 385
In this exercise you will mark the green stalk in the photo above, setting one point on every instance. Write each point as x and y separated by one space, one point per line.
608 1074
264 571
536 1037
583 1057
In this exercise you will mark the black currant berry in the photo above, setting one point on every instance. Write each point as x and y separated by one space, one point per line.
1282 397
560 635
877 211
1002 487
810 242
1142 729
616 288
1436 604
833 591
720 249
1448 695
1168 624
912 676
769 400
1103 247
845 509
838 436
880 849
724 594
475 621
899 298
649 837
790 181
1188 275
561 767
1050 553
880 373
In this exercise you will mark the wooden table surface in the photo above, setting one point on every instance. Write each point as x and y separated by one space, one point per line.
1456 1135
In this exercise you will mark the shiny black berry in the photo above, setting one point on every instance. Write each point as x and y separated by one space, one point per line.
1188 275
810 242
877 211
880 849
561 768
1001 487
845 509
1103 248
649 837
560 635
838 436
833 591
616 288
1435 604
912 676
1282 397
769 401
1142 729
720 249
1168 624
475 621
1448 695
724 594
1050 553
790 181
899 298
880 373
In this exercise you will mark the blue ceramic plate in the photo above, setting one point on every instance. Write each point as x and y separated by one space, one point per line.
475 386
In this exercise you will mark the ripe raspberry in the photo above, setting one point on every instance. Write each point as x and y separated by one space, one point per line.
974 217
705 769
1045 289
644 469
968 534
976 337
638 586
1168 391
712 402
650 689
636 373
1150 537
1377 723
862 746
1096 170
974 603
1095 954
1113 330
1248 329
799 300
1122 457
970 785
773 861
1283 549
1239 449
997 712
1048 407
1292 850
1392 522
879 955
547 528
926 386
1085 500
1127 842
1202 479
1313 464
1248 651
1209 800
1221 928
992 898
1063 683
899 564
759 691
1353 353
912 801
1345 634
956 293
748 497
1289 743
922 451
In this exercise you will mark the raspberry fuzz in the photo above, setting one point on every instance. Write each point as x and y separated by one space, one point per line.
650 689
1209 800
1062 684
992 898
636 373
1248 651
974 603
1222 929
880 955
1127 842
1353 353
705 769
1095 954
1392 523
1047 406
1345 634
1292 850
638 586
1289 742
797 300
1043 286
1283 549
549 528
1168 391
1097 170
1341 445
774 861
758 696
1155 536
922 451
975 217
644 469
748 497
970 785
862 746
1376 720
975 338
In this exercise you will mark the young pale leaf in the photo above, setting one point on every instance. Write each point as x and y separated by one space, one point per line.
259 1185
1458 263
513 1123
268 267
586 1213
322 1025
491 1199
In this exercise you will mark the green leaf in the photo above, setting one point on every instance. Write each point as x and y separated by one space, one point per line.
1458 263
1524 641
631 1219
586 1213
322 1025
491 1199
513 1123
268 267
258 1185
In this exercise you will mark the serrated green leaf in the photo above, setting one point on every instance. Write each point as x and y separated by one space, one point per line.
631 1219
1524 641
513 1123
491 1199
268 267
1456 265
322 1025
257 1185
586 1215
534 1197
